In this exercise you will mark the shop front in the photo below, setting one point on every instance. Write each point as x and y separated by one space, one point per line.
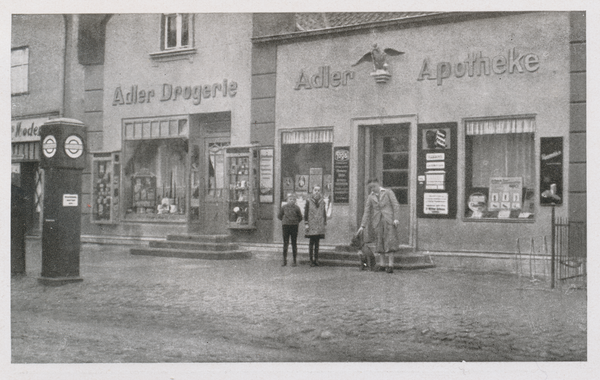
26 173
460 125
176 110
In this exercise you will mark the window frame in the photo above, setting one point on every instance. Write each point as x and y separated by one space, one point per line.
468 170
27 52
178 30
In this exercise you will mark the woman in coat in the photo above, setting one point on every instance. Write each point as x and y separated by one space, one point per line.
382 215
315 220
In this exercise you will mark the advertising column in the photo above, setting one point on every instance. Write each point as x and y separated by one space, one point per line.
63 160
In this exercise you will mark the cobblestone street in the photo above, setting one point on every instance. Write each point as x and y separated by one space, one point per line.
137 309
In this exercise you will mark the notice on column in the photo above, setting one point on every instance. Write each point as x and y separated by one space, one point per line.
341 175
435 203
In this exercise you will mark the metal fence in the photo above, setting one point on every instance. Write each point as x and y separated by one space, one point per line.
560 258
569 252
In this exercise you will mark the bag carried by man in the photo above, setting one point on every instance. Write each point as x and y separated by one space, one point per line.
367 258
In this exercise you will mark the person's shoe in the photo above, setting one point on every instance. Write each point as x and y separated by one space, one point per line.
389 270
294 264
317 263
312 264
284 264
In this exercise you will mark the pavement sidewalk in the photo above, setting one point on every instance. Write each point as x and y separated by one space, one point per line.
155 309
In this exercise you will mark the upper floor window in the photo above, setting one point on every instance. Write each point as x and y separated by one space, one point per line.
177 31
19 71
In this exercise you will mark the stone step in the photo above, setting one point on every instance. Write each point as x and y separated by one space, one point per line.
193 245
406 258
345 263
192 254
200 238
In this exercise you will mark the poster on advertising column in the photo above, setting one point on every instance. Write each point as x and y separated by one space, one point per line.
341 174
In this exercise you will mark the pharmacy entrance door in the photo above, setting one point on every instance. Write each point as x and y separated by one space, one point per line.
387 149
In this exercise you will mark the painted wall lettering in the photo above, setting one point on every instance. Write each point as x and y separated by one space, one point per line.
323 78
169 92
477 64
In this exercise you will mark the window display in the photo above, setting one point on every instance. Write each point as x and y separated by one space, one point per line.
500 169
155 173
106 170
242 183
304 166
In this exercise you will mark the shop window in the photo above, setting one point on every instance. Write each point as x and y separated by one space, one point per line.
19 71
500 168
176 31
306 161
155 169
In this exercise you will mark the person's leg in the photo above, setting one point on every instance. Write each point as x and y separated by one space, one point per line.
294 235
380 250
317 250
390 268
311 246
286 242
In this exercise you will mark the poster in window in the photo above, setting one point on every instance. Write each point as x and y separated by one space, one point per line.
551 171
315 179
266 175
505 193
301 185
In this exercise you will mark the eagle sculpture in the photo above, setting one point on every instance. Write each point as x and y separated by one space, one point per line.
378 57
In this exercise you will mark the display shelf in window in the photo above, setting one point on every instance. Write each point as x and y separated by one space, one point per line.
242 181
106 170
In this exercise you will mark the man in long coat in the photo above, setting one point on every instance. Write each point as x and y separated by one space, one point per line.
382 214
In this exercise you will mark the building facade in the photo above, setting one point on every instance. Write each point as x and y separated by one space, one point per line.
203 123
176 97
475 121
50 71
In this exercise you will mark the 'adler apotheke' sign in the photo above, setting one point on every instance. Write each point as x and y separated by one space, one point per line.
476 64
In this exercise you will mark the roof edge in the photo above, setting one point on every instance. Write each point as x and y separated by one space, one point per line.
405 21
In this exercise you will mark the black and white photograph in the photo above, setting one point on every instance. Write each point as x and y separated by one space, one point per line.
323 191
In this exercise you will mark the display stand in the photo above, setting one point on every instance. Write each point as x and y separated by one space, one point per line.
106 169
242 181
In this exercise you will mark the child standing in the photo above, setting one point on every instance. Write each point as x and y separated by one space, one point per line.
290 216
315 218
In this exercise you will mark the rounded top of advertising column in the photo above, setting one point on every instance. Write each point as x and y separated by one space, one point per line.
63 144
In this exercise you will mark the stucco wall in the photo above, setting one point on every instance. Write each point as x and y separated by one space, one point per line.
45 37
223 52
543 92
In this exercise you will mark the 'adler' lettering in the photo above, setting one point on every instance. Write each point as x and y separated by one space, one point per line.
323 78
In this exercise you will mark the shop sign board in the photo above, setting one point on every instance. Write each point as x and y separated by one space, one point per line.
266 175
436 170
26 129
341 174
169 92
506 62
